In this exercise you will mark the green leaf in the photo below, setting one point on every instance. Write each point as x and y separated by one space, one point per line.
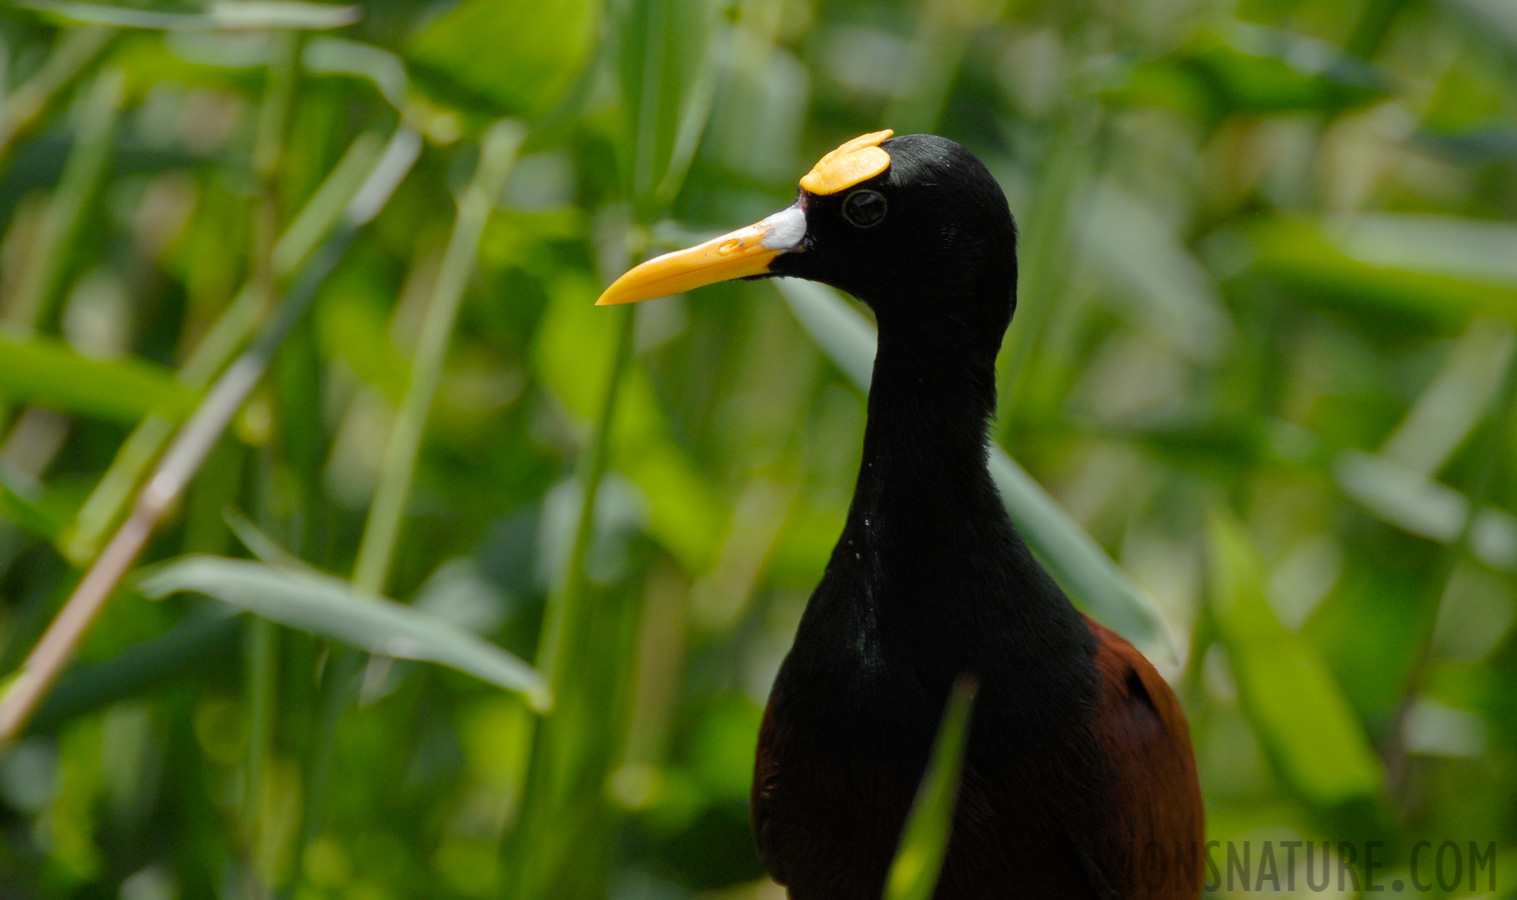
572 352
1404 497
1247 68
511 58
666 58
46 372
342 56
1145 264
199 645
1494 20
331 608
30 517
1096 583
1287 690
1427 270
924 840
247 15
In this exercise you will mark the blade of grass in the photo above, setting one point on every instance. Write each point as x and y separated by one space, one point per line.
253 15
44 371
28 104
559 763
387 510
334 609
107 503
261 659
1070 164
1455 401
1095 582
564 604
189 449
943 34
664 52
201 642
53 250
18 508
666 63
496 158
924 839
1289 695
342 56
1401 496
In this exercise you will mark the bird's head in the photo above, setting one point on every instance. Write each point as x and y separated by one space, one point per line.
915 226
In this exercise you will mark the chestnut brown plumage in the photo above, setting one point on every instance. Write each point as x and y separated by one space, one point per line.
1079 780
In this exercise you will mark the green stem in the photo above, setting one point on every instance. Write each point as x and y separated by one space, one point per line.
1372 27
107 503
263 638
557 762
933 60
564 604
54 247
190 447
377 545
377 548
1045 257
262 687
28 104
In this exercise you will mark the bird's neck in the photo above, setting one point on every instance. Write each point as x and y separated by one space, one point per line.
927 530
929 578
924 460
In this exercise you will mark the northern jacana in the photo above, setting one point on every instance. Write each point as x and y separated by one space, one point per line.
1079 780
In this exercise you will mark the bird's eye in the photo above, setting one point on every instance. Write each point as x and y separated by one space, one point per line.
864 209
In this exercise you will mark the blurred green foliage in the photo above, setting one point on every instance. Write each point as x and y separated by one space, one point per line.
1264 356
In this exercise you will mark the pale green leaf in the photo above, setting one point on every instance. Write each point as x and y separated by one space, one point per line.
46 372
332 609
247 15
512 58
1437 269
1287 690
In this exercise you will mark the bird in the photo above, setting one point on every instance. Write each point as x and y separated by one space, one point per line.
1078 780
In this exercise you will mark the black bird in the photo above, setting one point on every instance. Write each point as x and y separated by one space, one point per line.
1079 780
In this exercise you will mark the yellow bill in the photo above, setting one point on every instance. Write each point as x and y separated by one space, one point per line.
738 254
749 251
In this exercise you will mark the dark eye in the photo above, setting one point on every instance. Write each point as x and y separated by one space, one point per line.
864 208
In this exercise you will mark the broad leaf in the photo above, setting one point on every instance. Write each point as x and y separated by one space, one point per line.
666 60
509 58
46 372
1425 270
332 609
247 15
1288 692
1247 68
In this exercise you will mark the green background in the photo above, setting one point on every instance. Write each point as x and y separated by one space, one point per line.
1264 358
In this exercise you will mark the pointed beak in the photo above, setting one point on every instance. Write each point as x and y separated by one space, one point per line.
738 254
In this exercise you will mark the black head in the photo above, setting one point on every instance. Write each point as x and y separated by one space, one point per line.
928 243
914 226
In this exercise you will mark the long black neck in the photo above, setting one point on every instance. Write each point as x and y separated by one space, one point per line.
929 578
923 478
928 548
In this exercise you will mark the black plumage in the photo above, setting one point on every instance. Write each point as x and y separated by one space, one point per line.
1078 761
